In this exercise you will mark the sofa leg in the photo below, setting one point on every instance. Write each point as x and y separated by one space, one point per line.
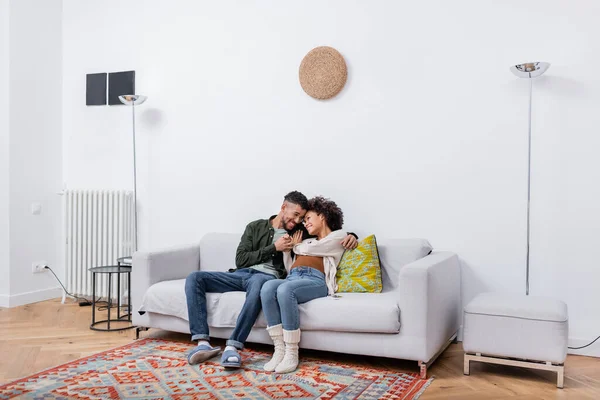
423 370
467 369
138 329
424 365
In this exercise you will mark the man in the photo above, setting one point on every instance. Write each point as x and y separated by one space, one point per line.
258 259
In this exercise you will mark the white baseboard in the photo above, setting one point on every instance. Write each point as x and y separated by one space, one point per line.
4 300
21 299
591 351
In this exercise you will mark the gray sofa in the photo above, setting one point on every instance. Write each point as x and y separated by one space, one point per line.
414 318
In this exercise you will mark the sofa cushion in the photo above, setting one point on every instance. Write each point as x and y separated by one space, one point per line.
359 270
217 251
168 298
396 253
225 313
352 312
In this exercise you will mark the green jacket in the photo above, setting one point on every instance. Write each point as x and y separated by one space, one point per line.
256 245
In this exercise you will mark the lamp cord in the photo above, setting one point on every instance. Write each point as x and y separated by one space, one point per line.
88 302
64 288
587 345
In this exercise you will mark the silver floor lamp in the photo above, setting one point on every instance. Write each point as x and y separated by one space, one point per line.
134 100
529 71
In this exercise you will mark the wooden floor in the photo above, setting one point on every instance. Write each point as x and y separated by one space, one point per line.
43 335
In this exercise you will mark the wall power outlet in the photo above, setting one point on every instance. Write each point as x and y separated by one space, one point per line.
38 267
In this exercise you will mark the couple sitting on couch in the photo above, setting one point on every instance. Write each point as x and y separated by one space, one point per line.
270 250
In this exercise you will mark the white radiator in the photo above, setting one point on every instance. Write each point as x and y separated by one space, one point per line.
99 228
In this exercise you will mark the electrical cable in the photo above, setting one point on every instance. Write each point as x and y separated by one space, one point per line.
85 301
587 345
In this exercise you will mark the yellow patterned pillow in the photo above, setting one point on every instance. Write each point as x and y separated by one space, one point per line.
359 270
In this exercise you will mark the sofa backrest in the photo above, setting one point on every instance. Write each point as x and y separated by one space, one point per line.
217 253
396 253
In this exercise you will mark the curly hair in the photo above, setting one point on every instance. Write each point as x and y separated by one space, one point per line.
334 216
298 198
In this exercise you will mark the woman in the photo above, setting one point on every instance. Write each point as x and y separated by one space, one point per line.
311 274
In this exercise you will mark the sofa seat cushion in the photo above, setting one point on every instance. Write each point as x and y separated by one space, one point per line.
352 312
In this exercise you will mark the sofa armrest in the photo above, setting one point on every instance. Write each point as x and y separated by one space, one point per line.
150 267
430 300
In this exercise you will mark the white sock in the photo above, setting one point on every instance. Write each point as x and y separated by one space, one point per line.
204 342
232 359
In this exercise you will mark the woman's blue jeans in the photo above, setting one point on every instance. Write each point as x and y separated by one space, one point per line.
280 297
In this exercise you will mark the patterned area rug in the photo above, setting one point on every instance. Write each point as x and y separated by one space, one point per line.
157 369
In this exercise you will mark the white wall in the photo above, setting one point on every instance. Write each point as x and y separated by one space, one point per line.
4 140
428 138
35 146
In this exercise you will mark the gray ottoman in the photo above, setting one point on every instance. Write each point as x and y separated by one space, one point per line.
518 330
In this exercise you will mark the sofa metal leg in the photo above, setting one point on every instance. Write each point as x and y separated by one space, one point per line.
424 365
138 329
423 369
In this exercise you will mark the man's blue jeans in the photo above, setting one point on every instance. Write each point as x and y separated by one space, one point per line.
280 298
248 280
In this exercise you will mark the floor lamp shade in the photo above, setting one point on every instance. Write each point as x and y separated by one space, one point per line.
529 71
134 100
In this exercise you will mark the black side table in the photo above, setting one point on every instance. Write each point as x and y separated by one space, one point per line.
111 270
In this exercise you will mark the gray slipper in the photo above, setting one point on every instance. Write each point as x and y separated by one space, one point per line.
202 353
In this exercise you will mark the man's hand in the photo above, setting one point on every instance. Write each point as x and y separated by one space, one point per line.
349 242
284 243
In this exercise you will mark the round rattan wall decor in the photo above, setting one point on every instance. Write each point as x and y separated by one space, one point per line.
323 72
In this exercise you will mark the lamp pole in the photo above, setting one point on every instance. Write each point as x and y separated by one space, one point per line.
529 71
134 100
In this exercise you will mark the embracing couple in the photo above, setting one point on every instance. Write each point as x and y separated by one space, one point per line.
280 263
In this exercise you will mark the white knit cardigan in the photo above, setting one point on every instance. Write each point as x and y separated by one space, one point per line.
330 248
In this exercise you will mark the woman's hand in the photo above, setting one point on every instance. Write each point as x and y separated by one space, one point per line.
297 238
349 242
284 243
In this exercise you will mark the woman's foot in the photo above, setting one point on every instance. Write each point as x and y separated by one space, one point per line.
290 358
276 333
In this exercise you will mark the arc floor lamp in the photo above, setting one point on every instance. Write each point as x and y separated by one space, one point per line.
529 71
134 100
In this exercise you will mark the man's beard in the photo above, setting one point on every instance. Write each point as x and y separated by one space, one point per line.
284 223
